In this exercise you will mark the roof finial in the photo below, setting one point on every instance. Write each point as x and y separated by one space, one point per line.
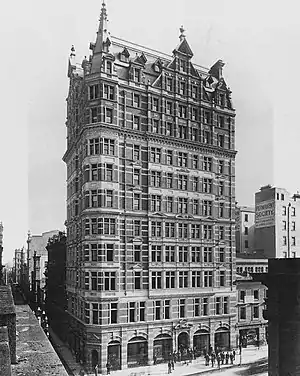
72 54
182 35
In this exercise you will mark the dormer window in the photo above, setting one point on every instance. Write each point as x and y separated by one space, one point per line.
182 66
222 100
108 67
169 84
124 55
136 75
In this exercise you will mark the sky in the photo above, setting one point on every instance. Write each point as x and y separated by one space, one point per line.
258 41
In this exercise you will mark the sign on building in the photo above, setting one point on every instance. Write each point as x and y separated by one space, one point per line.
265 214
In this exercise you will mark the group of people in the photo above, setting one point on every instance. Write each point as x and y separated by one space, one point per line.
219 358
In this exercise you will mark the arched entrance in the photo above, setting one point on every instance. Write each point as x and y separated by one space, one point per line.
137 352
201 341
162 347
222 339
95 359
114 355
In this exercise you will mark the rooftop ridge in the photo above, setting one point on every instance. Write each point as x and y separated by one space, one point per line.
152 51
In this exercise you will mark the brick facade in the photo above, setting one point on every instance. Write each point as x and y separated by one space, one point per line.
150 205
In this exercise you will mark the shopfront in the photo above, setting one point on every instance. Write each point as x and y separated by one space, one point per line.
162 348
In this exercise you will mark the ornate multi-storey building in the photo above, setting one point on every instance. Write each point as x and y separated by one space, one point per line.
150 205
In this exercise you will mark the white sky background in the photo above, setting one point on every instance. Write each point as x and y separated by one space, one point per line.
258 40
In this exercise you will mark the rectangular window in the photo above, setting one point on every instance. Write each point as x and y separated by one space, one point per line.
183 279
207 117
136 201
256 294
182 205
207 254
221 140
207 164
195 183
196 254
221 209
169 129
155 179
218 306
136 152
293 227
169 106
167 306
195 162
137 280
293 240
226 305
182 182
207 232
136 100
284 240
155 203
170 201
221 188
195 231
207 185
208 279
221 121
242 313
169 180
207 208
222 255
293 214
222 278
284 210
182 159
137 253
170 230
196 279
113 313
242 296
169 157
137 228
136 122
155 126
108 146
221 167
197 307
157 310
207 137
196 207
170 280
182 230
170 253
181 308
136 177
169 84
155 155
182 111
132 312
156 280
156 253
94 92
155 104
246 230
108 115
182 254
255 312
156 229
136 75
108 92
205 306
142 311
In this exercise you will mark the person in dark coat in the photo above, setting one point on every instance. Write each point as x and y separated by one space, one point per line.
222 355
219 361
169 367
172 364
213 358
233 352
231 358
206 359
108 367
227 357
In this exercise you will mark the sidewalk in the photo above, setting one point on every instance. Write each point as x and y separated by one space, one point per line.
72 367
197 367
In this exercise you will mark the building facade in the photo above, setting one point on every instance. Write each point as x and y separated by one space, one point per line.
245 224
249 264
277 222
56 301
251 324
37 259
18 264
151 204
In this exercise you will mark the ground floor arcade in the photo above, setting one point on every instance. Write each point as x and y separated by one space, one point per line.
148 344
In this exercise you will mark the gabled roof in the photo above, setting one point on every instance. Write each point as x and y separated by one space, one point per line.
184 48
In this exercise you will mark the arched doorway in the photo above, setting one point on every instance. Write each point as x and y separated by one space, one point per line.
137 352
95 359
201 341
222 339
114 355
162 347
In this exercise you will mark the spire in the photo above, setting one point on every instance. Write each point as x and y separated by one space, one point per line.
102 33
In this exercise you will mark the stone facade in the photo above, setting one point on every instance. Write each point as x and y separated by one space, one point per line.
150 204
252 326
8 318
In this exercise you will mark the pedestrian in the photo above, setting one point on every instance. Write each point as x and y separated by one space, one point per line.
219 361
213 358
174 356
206 359
172 364
108 367
210 349
169 367
227 357
233 352
222 357
231 357
96 370
154 359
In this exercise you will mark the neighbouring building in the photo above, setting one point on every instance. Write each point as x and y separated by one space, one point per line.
18 263
277 222
252 326
249 264
56 300
282 314
37 259
1 254
150 204
245 224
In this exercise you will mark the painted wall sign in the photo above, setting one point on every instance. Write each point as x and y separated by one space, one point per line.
265 214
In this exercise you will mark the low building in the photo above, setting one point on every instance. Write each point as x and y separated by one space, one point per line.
249 264
245 225
56 301
251 325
